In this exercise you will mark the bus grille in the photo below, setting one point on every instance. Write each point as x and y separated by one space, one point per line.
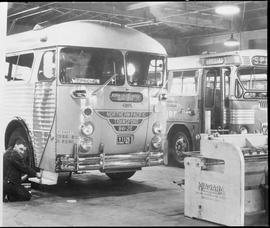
246 60
242 116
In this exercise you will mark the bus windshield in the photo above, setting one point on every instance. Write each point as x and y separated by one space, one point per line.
253 78
144 69
91 66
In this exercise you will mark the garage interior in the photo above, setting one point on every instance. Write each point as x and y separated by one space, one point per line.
154 196
184 28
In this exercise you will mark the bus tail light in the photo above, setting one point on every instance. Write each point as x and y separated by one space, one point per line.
157 128
87 128
156 142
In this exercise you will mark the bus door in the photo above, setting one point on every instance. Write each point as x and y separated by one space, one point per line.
212 96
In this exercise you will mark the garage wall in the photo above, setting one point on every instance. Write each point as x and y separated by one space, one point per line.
256 39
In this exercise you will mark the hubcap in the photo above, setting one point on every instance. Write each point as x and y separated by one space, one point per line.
180 146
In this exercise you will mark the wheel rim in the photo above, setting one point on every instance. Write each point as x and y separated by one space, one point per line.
181 145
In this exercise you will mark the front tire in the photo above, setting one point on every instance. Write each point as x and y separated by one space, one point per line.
120 176
180 143
19 133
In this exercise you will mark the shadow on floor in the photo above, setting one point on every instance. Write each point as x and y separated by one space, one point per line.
92 186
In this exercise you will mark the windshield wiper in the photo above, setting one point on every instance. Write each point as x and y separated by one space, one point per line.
104 85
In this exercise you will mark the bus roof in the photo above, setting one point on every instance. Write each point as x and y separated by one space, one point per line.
85 33
184 62
246 52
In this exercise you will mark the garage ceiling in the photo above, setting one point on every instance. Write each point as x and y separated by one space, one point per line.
163 20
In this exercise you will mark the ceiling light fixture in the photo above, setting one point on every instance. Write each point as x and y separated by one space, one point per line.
227 10
143 5
232 42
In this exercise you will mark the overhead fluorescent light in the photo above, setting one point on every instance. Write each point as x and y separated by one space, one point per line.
227 10
143 5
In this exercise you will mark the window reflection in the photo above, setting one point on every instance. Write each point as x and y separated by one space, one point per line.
144 69
91 66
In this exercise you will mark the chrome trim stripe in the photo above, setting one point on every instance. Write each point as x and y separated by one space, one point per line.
226 116
17 100
242 116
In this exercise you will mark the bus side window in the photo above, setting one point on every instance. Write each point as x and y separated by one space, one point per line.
7 71
176 85
227 88
209 91
46 71
20 67
190 81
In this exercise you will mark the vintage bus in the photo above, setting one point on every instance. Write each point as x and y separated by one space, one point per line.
224 92
80 94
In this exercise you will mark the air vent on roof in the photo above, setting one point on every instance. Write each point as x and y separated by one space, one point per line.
38 27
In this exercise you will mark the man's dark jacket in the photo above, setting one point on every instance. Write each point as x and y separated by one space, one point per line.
14 167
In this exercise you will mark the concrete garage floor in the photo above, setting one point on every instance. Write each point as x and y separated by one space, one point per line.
149 198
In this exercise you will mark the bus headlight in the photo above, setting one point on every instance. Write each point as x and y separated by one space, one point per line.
157 128
243 130
87 128
86 144
156 142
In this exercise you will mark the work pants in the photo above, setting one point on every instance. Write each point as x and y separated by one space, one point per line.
15 192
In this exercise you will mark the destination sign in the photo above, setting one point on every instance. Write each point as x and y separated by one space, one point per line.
259 60
126 97
214 61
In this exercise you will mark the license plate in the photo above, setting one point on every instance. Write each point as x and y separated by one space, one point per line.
124 139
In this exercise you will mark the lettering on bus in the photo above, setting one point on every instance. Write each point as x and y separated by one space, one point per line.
259 60
66 137
111 114
124 121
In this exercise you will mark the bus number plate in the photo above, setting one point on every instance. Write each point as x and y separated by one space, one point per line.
124 139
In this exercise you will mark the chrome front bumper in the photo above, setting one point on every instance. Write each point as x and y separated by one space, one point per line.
105 162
